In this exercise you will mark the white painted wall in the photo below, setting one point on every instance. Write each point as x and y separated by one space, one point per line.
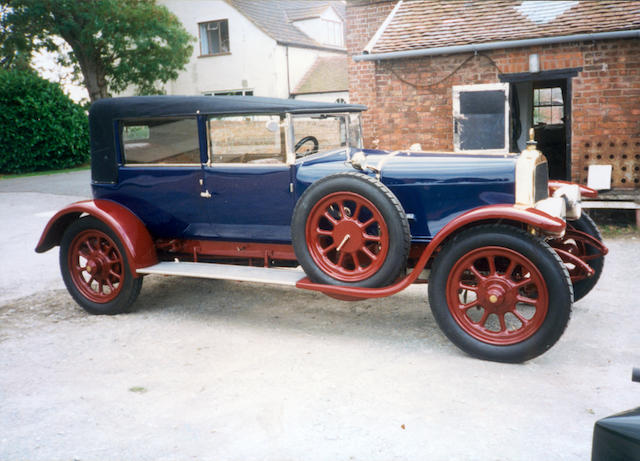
316 29
324 97
255 57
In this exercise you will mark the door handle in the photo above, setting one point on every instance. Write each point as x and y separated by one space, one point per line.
205 194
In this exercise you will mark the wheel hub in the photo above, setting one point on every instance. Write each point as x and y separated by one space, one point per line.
496 295
348 236
96 265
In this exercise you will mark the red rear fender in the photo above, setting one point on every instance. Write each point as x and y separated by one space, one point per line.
128 227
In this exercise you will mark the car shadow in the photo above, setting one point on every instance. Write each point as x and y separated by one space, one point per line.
403 318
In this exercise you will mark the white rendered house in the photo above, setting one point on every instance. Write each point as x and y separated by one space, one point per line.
275 48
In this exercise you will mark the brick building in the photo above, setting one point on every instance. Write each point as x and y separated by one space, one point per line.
476 75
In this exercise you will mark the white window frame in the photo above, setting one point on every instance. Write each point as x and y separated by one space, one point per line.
334 32
205 37
455 96
243 92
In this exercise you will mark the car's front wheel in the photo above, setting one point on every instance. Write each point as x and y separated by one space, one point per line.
500 294
578 242
95 269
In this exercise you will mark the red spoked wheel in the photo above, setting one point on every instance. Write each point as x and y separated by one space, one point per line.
497 296
347 236
350 229
500 293
96 266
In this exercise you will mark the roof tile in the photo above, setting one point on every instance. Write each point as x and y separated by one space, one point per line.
325 75
420 24
274 17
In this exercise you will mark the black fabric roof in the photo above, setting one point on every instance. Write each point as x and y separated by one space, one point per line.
165 106
104 112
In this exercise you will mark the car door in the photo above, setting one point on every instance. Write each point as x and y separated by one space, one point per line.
248 181
160 175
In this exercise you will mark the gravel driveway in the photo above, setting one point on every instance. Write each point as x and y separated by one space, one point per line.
206 369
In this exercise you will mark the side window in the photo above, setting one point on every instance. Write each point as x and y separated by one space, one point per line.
161 141
481 118
315 133
214 37
255 139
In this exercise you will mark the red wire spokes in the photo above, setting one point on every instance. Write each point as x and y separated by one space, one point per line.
497 295
347 236
97 266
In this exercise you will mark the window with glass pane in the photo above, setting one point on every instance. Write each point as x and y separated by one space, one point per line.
214 37
548 106
328 131
333 32
162 141
230 93
257 139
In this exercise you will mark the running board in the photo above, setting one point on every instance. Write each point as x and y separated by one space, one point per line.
227 272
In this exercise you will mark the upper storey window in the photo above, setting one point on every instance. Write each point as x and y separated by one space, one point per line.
333 34
214 37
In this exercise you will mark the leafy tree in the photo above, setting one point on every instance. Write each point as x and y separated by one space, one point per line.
40 127
114 43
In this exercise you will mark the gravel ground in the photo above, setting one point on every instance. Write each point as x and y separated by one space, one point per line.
206 369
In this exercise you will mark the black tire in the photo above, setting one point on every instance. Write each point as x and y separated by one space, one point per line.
582 287
549 285
390 252
112 289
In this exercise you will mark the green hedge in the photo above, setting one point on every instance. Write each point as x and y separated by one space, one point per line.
40 127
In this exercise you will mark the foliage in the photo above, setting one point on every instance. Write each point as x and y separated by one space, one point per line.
40 127
615 231
114 43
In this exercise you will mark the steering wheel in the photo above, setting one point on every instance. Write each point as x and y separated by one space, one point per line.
302 142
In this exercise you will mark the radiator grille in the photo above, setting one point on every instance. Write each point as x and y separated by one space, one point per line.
541 181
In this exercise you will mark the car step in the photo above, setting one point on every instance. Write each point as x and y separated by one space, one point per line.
277 276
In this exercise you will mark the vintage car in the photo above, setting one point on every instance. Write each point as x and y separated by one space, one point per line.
282 191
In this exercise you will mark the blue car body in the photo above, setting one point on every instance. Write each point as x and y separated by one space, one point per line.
256 203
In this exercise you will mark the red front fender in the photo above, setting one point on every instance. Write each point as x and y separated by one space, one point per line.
509 213
128 227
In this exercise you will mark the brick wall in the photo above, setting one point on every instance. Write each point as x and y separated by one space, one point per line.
364 17
409 100
606 111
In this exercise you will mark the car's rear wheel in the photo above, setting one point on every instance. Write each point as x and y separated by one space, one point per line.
349 229
500 294
95 269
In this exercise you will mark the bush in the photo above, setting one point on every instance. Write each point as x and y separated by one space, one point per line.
40 127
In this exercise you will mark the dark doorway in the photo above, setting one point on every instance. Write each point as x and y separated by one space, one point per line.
542 101
548 118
